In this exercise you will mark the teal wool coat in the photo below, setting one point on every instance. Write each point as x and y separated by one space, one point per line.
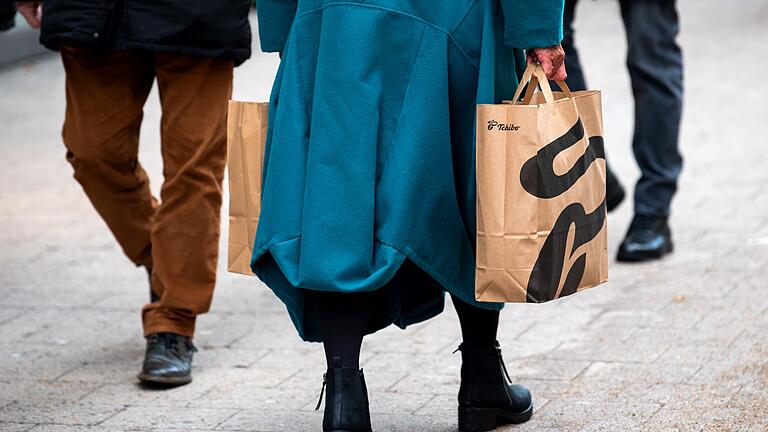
369 169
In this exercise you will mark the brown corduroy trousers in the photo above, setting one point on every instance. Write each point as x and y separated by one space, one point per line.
177 237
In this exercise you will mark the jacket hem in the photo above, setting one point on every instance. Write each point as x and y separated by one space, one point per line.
55 41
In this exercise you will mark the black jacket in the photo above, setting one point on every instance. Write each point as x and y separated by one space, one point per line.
210 28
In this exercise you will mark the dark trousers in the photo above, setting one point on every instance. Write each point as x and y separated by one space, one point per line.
178 236
655 64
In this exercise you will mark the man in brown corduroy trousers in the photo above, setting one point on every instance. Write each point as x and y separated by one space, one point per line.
111 61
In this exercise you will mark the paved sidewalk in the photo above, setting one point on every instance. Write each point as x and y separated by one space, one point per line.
676 345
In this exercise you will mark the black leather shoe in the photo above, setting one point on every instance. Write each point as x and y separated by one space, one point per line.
486 400
168 360
614 191
648 238
153 297
346 400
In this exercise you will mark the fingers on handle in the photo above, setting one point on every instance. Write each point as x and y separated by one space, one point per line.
561 74
32 21
547 65
30 14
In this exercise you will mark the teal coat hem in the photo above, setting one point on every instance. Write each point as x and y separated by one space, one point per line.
268 269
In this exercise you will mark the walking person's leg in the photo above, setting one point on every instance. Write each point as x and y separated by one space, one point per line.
194 92
105 93
655 64
576 81
343 321
486 396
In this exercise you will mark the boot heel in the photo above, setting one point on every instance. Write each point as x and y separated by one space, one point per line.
477 419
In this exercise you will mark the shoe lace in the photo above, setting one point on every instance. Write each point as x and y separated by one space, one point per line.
173 342
322 391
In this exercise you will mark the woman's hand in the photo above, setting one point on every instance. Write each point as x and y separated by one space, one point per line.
32 11
552 60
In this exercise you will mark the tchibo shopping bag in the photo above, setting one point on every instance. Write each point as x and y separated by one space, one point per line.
541 217
246 136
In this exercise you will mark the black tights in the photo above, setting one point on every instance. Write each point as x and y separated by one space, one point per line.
344 319
478 326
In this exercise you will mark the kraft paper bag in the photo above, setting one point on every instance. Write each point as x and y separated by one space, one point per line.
541 216
246 136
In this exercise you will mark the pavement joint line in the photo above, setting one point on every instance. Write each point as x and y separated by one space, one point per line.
373 356
227 419
524 331
703 317
581 372
630 335
542 406
398 381
434 396
97 388
236 340
654 414
736 339
657 359
693 375
548 355
259 358
122 409
297 373
603 311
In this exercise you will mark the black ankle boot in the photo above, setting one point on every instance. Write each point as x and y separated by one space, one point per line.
485 399
346 400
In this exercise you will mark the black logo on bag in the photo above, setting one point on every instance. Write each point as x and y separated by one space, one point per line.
539 179
494 125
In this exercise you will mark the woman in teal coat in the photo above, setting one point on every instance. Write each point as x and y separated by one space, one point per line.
368 205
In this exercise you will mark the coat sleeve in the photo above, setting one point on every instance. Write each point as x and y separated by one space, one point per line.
532 23
275 21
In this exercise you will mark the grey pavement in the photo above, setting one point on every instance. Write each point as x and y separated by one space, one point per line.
678 345
20 42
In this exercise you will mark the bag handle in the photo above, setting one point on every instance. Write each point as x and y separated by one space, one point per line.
523 81
535 77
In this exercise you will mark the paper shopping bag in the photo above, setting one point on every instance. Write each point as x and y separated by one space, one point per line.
246 136
541 216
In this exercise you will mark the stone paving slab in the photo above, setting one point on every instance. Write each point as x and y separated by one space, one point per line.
677 345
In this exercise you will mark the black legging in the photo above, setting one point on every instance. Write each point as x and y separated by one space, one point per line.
344 318
478 326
